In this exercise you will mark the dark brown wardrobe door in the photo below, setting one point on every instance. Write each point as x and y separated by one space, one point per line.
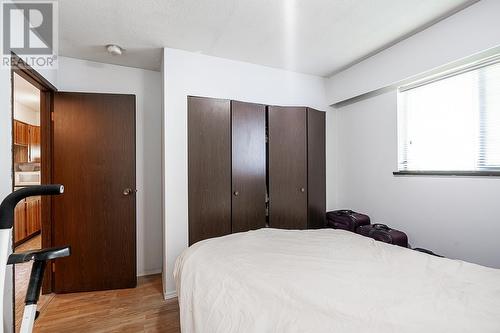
287 167
316 162
248 166
209 168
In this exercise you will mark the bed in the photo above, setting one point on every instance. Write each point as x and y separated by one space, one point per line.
327 280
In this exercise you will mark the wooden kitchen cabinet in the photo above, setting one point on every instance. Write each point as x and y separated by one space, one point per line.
21 154
27 219
33 214
34 143
20 222
21 133
27 140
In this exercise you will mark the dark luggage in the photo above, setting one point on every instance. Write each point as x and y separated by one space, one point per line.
427 251
346 219
383 233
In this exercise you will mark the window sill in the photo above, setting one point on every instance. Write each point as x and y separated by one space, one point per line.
449 173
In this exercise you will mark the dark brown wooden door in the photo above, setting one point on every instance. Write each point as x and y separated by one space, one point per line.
248 127
209 168
287 167
316 163
94 158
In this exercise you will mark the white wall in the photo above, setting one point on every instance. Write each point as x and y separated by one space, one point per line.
49 74
26 114
455 216
188 73
87 76
470 31
163 174
6 178
80 75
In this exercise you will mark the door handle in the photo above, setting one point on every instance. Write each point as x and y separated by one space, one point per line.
302 189
236 193
128 191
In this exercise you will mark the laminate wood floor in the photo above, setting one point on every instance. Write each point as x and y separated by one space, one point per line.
141 309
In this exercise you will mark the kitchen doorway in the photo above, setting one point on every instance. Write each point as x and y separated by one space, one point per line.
94 137
27 158
31 165
26 139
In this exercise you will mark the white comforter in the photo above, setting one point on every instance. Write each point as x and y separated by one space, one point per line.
273 280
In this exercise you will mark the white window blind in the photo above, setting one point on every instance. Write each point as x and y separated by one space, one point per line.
452 122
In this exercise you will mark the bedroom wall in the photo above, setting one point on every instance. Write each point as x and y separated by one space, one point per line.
188 73
455 216
82 75
87 76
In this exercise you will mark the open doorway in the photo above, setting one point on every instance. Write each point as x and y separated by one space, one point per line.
87 143
27 158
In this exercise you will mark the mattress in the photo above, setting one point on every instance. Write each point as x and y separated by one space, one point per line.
328 280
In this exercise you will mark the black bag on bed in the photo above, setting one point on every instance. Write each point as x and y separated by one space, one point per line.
383 233
346 219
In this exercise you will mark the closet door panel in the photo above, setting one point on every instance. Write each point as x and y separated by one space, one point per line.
209 168
287 167
316 164
248 166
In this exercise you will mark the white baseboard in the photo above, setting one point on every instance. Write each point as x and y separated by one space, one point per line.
170 294
149 272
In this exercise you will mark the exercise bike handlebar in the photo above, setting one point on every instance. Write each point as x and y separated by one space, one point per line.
9 203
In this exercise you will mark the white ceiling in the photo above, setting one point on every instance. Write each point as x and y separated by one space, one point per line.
310 36
27 94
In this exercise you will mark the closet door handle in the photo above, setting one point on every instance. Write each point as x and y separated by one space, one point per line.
302 189
236 193
128 191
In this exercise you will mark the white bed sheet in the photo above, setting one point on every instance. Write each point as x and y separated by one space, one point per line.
328 280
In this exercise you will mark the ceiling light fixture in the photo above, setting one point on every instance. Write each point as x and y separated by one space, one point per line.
114 49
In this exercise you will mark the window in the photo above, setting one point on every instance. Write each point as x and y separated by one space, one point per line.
451 122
